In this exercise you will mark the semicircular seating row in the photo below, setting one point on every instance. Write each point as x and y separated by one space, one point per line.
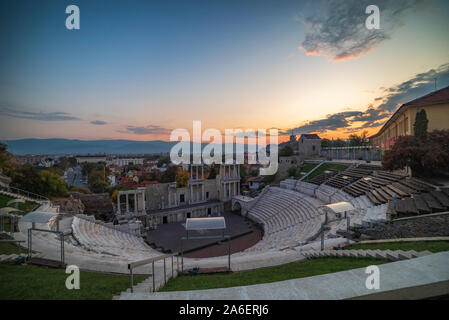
98 238
288 217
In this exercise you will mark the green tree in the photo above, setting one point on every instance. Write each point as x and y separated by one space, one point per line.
421 124
292 171
212 172
42 182
97 181
326 143
52 184
286 151
169 175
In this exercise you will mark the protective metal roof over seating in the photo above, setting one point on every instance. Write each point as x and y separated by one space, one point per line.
38 217
212 223
340 207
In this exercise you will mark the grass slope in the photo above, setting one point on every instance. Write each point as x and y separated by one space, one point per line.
324 167
24 207
432 246
10 248
293 270
18 282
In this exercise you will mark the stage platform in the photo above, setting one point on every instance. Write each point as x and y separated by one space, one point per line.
167 237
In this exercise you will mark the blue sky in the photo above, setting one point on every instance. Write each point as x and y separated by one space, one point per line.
138 69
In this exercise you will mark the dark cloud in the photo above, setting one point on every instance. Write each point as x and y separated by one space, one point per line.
418 86
98 122
41 116
151 129
331 122
338 30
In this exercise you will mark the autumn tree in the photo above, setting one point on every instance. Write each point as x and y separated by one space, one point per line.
425 155
182 178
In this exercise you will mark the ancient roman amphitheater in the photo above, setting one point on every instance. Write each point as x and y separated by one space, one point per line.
298 219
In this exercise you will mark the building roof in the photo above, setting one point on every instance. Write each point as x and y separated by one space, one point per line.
310 136
436 97
211 223
256 179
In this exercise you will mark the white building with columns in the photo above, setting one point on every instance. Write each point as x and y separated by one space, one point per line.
166 202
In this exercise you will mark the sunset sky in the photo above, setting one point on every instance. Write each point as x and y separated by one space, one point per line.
138 69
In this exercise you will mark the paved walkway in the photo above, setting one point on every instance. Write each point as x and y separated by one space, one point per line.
417 278
406 240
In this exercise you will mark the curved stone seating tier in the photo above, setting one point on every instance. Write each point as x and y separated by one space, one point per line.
288 218
101 239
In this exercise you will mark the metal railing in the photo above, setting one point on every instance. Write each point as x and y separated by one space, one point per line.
25 193
139 263
30 241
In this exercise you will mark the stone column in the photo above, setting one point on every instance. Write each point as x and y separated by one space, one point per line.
135 201
118 203
203 195
224 191
143 201
127 203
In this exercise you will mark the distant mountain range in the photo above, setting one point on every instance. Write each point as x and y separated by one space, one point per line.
85 147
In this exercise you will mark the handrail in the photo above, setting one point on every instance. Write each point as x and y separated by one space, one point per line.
139 263
135 264
27 193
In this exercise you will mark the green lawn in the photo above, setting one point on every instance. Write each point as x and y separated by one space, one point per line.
307 167
24 207
293 270
18 282
327 166
10 248
432 246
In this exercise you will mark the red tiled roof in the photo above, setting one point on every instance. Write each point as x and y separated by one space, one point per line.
310 136
435 97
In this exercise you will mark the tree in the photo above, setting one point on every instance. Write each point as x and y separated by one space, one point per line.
162 161
182 178
421 122
286 151
425 155
52 184
292 171
97 181
212 172
169 175
42 182
326 143
358 141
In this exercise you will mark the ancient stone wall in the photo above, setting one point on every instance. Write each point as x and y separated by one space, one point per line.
97 204
434 225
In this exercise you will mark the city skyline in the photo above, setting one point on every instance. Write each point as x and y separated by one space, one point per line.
137 70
